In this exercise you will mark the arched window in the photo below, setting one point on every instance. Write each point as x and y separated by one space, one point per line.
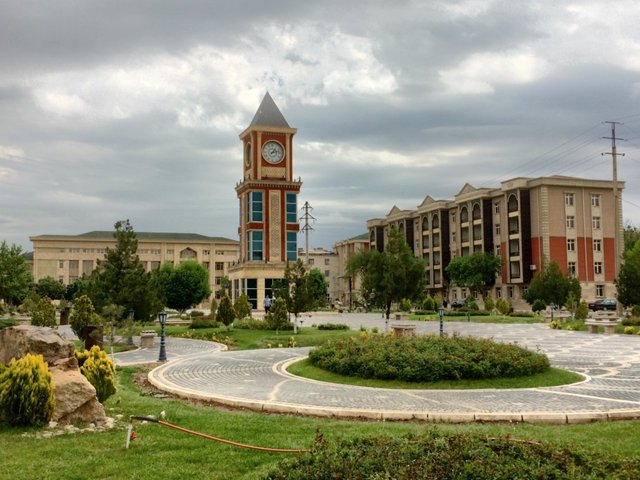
435 221
464 215
188 254
512 205
476 212
425 223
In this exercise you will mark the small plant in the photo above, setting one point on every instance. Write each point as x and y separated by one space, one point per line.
44 313
278 318
629 330
26 392
582 312
555 325
83 314
489 303
96 365
538 305
503 306
429 304
226 314
292 342
405 305
242 307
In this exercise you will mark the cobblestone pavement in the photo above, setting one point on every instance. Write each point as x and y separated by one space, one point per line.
257 379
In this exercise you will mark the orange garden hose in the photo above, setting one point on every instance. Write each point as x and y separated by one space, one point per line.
209 437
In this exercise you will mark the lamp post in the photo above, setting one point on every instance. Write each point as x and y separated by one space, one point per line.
131 314
441 316
162 317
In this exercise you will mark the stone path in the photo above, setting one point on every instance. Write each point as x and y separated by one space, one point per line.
257 380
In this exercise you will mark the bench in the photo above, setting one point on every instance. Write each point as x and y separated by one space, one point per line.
605 319
402 316
559 315
404 330
146 338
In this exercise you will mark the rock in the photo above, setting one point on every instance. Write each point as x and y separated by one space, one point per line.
75 398
16 342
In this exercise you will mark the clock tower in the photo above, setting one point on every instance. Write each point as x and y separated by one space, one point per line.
267 195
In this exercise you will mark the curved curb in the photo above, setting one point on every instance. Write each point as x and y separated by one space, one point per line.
157 379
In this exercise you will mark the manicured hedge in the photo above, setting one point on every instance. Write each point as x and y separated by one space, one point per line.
455 457
426 358
333 326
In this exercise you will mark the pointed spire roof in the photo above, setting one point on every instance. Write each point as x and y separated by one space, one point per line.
269 114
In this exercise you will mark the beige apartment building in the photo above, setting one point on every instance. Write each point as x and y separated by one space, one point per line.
69 257
525 221
347 285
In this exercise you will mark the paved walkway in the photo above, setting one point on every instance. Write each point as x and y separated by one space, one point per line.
257 379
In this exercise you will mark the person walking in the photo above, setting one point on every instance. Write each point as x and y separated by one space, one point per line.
267 304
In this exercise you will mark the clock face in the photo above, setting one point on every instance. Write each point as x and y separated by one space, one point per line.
273 152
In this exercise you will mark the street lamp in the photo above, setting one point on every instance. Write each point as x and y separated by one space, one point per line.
441 316
162 317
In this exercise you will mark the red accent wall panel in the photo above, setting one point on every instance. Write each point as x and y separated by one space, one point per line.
558 252
536 252
609 257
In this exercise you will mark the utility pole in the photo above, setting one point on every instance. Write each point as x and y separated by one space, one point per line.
617 205
306 216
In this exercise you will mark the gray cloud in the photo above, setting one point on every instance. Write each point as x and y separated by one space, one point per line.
133 109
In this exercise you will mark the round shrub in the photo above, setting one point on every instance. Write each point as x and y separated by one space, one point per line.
82 315
629 330
405 305
503 306
26 392
538 305
426 358
242 307
429 304
449 457
44 313
96 365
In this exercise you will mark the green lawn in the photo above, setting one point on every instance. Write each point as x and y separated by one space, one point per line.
554 376
163 453
242 339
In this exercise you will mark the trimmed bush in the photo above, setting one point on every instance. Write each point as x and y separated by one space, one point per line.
196 314
44 313
538 305
405 305
582 312
82 315
489 303
251 324
429 304
503 306
96 365
426 358
522 314
333 326
226 314
203 322
278 317
635 311
449 457
26 392
242 307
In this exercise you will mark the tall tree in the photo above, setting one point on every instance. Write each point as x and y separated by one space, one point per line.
628 281
390 275
183 286
552 286
15 274
50 287
121 278
631 236
294 288
477 271
317 288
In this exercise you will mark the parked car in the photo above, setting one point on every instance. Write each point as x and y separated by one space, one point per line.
603 304
458 303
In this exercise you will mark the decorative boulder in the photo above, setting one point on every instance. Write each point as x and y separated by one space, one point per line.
16 342
75 397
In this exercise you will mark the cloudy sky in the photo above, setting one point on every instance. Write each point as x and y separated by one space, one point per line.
132 109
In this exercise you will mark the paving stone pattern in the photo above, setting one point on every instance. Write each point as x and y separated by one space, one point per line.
257 379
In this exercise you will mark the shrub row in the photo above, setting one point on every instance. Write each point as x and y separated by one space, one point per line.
333 326
427 358
462 312
453 457
204 322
